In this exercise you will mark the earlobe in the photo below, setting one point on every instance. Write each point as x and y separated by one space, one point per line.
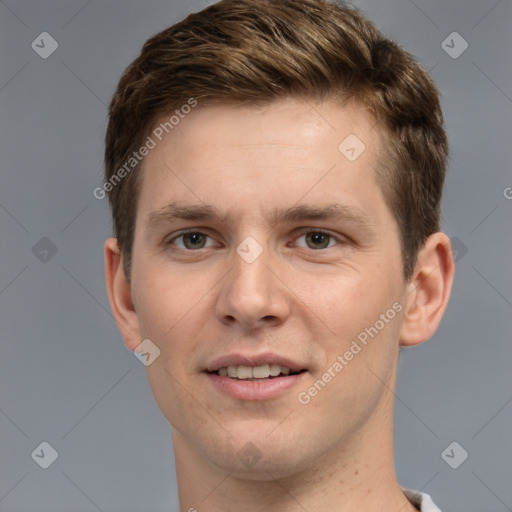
120 295
428 290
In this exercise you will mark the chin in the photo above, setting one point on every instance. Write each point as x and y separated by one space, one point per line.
251 458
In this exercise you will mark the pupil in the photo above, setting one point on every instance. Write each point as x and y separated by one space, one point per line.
193 239
319 240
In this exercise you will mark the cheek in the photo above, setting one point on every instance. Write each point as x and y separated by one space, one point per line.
351 306
175 311
162 302
343 301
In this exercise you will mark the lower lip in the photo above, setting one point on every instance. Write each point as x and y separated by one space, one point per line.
253 389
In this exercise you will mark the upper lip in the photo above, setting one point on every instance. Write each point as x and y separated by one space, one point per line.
253 360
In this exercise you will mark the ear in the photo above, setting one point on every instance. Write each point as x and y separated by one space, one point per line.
120 295
428 290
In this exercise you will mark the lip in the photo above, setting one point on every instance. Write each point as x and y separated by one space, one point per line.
253 360
264 389
252 389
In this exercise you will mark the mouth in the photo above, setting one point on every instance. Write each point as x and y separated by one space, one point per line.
262 377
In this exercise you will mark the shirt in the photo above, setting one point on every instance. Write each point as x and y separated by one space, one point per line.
421 500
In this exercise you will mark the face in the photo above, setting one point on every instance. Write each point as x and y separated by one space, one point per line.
264 250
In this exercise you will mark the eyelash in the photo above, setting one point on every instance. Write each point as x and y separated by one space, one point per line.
305 232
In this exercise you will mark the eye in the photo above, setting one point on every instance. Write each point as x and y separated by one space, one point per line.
191 241
316 240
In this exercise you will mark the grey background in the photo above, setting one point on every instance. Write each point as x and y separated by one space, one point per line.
66 377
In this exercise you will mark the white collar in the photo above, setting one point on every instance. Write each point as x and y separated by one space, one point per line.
421 500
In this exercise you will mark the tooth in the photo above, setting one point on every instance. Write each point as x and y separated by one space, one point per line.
261 372
275 370
244 372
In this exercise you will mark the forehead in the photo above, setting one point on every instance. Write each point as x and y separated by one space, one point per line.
290 123
288 150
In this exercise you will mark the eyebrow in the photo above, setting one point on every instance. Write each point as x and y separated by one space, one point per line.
172 211
203 212
329 212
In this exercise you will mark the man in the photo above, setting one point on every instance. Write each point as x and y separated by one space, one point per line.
275 172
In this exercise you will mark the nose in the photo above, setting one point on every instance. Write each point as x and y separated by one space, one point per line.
253 294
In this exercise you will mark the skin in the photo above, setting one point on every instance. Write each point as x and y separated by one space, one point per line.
307 304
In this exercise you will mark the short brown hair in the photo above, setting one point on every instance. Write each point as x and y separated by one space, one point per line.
256 51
